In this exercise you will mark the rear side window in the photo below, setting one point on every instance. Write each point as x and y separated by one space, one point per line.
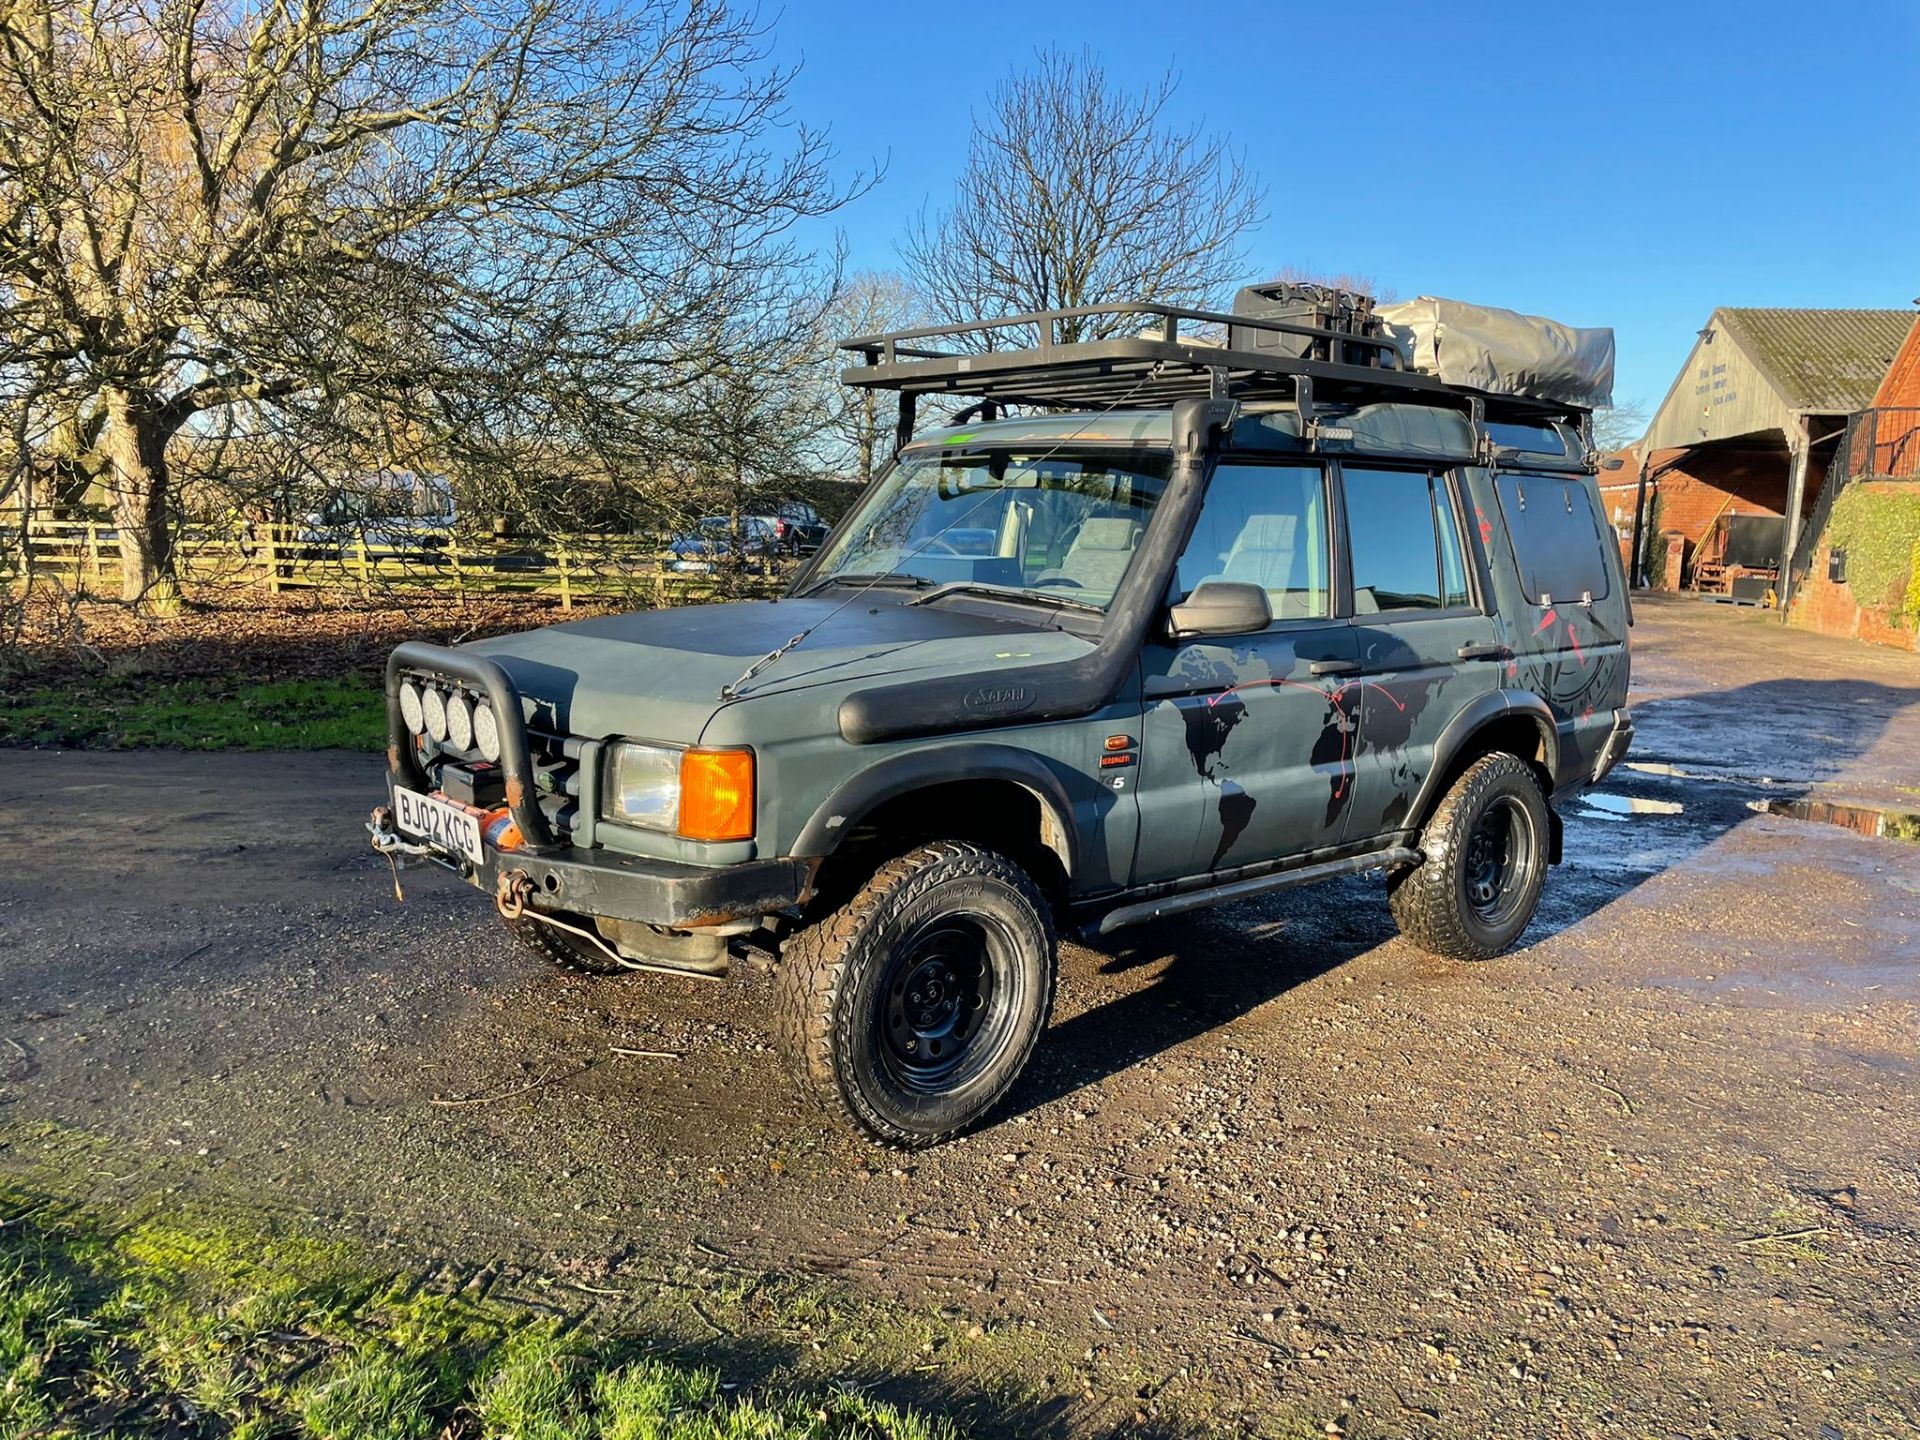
1557 538
1453 565
1403 542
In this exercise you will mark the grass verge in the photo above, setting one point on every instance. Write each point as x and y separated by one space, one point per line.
117 712
171 1329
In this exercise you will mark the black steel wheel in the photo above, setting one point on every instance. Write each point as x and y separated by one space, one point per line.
912 1008
946 1001
1484 861
1502 851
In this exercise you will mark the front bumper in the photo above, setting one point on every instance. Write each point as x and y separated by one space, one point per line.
561 876
602 884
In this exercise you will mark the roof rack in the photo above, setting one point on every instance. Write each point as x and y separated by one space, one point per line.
1157 366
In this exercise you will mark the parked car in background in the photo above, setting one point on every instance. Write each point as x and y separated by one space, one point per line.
790 529
399 515
714 538
797 527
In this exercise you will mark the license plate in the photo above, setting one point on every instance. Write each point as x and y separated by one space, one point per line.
443 826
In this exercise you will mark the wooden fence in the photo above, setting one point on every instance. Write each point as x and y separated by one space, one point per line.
85 556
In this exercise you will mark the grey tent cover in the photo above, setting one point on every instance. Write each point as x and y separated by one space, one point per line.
1502 351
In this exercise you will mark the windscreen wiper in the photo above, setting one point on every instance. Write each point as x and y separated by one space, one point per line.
869 580
1007 592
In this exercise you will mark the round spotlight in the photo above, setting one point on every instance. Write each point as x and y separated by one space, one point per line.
410 707
486 733
460 722
434 706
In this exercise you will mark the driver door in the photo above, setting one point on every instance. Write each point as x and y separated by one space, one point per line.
1247 741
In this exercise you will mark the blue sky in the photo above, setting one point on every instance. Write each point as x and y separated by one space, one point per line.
1631 165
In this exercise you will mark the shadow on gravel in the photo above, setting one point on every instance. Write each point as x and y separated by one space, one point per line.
1219 965
1698 761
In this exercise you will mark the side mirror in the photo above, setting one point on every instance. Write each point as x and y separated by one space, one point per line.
1220 607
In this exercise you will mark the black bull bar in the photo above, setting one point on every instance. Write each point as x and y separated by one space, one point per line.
516 760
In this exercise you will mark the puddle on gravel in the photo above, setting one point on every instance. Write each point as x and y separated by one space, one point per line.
1604 806
1861 819
1667 770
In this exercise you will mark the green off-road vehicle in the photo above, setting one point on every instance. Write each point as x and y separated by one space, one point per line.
1231 603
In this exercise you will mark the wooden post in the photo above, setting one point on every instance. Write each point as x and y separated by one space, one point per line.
273 558
93 550
459 585
566 590
360 547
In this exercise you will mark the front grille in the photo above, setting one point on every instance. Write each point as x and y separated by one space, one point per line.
556 779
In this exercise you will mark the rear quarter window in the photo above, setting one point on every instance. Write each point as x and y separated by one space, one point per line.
1558 541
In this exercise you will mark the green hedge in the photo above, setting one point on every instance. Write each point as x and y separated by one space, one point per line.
1879 528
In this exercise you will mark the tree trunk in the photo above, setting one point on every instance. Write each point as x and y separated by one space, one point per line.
135 443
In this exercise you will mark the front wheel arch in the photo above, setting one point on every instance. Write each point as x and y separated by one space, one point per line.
897 780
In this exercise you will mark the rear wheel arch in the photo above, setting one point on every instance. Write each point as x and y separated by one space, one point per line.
1504 722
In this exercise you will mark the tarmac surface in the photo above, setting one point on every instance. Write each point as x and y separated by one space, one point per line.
1655 1173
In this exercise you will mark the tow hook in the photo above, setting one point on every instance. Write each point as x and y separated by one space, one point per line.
386 841
510 893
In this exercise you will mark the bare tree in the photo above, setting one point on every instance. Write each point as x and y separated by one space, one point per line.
430 228
1619 425
859 425
1078 191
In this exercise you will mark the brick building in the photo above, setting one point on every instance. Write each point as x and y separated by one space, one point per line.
1877 468
1752 422
1896 436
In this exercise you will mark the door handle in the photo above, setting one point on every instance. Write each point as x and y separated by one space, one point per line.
1488 651
1333 667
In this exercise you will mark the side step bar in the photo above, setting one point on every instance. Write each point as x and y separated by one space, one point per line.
1258 885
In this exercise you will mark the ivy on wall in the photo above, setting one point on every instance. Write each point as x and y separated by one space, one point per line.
1656 544
1879 528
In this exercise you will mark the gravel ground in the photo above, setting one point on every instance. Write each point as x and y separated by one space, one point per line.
1656 1173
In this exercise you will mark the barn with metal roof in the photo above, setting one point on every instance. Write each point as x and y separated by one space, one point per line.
1745 435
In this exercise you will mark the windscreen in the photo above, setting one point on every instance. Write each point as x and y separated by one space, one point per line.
1055 523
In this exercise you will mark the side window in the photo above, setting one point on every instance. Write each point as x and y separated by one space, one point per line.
1557 538
1392 538
1453 565
1264 525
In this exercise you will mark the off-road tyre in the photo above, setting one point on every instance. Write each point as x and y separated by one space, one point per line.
568 952
843 991
1440 903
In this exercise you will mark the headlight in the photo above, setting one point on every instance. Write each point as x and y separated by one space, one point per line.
410 707
486 732
460 722
643 787
434 707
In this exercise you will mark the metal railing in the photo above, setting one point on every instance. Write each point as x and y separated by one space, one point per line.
1883 444
1879 444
